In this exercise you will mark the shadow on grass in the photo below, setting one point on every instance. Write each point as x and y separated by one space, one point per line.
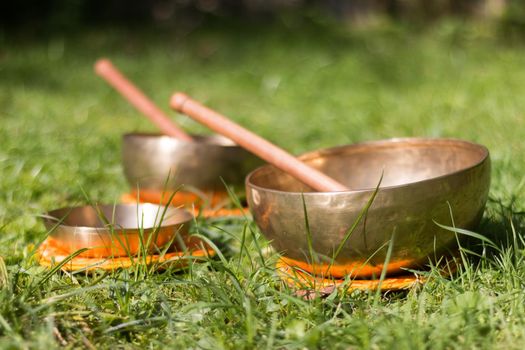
504 225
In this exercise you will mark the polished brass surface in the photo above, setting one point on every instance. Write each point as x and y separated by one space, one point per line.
116 230
421 178
150 159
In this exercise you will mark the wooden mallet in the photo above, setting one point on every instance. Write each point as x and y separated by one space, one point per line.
255 144
105 69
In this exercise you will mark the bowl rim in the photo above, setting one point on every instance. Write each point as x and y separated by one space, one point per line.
208 140
48 216
382 142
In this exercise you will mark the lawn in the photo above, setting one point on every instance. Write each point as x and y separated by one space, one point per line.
303 85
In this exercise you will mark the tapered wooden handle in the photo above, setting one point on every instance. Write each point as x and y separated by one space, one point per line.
105 69
255 144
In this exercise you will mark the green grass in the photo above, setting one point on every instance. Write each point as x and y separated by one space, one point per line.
301 85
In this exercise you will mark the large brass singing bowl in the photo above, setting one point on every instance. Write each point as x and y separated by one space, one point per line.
116 230
424 181
158 162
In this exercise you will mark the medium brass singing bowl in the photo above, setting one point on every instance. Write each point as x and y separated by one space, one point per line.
159 162
116 230
424 181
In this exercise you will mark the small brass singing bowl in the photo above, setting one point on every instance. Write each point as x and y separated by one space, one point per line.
116 230
425 181
158 162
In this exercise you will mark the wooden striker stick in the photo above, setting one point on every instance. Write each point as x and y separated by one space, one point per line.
105 69
255 144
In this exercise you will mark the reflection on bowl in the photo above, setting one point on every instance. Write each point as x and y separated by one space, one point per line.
151 159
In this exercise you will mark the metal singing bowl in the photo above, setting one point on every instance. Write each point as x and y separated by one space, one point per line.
115 230
421 178
158 162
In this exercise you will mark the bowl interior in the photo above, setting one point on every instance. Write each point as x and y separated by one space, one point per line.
131 216
215 140
360 166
